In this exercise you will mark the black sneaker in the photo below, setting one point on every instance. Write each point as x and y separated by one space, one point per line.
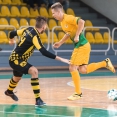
40 102
12 95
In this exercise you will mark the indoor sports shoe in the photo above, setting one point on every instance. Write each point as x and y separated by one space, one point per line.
109 65
40 102
12 95
75 96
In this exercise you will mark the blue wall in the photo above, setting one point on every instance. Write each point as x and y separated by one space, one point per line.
38 60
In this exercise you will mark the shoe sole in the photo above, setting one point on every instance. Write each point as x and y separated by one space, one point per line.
40 105
74 99
110 63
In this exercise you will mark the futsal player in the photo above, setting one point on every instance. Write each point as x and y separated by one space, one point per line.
30 40
73 27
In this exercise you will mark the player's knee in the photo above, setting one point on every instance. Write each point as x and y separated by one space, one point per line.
33 71
73 68
83 70
70 68
16 78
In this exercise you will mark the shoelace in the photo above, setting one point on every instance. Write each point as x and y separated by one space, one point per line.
78 95
13 93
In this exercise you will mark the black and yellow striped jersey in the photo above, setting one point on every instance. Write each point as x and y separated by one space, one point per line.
30 40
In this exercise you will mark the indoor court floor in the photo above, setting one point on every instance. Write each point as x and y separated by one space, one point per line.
55 88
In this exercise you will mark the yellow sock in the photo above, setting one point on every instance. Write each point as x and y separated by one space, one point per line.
12 85
94 66
35 87
76 79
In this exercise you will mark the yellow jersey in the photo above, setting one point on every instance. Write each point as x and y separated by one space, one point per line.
30 40
69 25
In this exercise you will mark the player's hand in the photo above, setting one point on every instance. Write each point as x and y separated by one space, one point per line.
76 39
56 45
65 61
11 41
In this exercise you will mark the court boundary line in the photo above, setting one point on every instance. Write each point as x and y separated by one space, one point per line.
33 114
53 105
92 77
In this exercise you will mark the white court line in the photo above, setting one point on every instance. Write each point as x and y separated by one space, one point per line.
91 77
54 115
69 84
33 114
52 105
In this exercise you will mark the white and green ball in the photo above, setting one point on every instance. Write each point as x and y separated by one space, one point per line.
112 94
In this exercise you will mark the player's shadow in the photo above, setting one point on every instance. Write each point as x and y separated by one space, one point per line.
15 109
10 108
40 110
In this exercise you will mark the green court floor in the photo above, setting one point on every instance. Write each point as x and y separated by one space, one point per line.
63 74
55 111
52 111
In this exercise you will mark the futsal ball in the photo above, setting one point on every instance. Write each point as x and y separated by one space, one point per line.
112 94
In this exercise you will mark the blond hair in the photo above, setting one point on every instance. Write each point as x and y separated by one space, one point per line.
57 6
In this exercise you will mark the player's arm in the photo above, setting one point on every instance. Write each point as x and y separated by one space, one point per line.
53 56
80 23
14 33
76 21
46 53
58 44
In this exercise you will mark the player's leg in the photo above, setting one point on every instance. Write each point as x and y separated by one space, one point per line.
76 80
85 69
12 85
88 68
76 60
35 85
94 66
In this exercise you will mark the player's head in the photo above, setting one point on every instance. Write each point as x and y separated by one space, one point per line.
57 11
41 24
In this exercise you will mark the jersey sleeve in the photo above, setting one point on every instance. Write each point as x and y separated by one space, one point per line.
72 19
36 42
19 32
41 48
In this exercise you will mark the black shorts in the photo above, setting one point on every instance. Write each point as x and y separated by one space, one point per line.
20 68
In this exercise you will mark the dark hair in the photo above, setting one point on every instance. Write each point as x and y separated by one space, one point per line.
40 21
56 6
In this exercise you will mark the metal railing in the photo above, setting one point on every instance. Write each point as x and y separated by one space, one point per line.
113 32
60 50
104 50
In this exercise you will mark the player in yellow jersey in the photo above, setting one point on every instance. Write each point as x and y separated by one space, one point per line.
30 39
73 27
